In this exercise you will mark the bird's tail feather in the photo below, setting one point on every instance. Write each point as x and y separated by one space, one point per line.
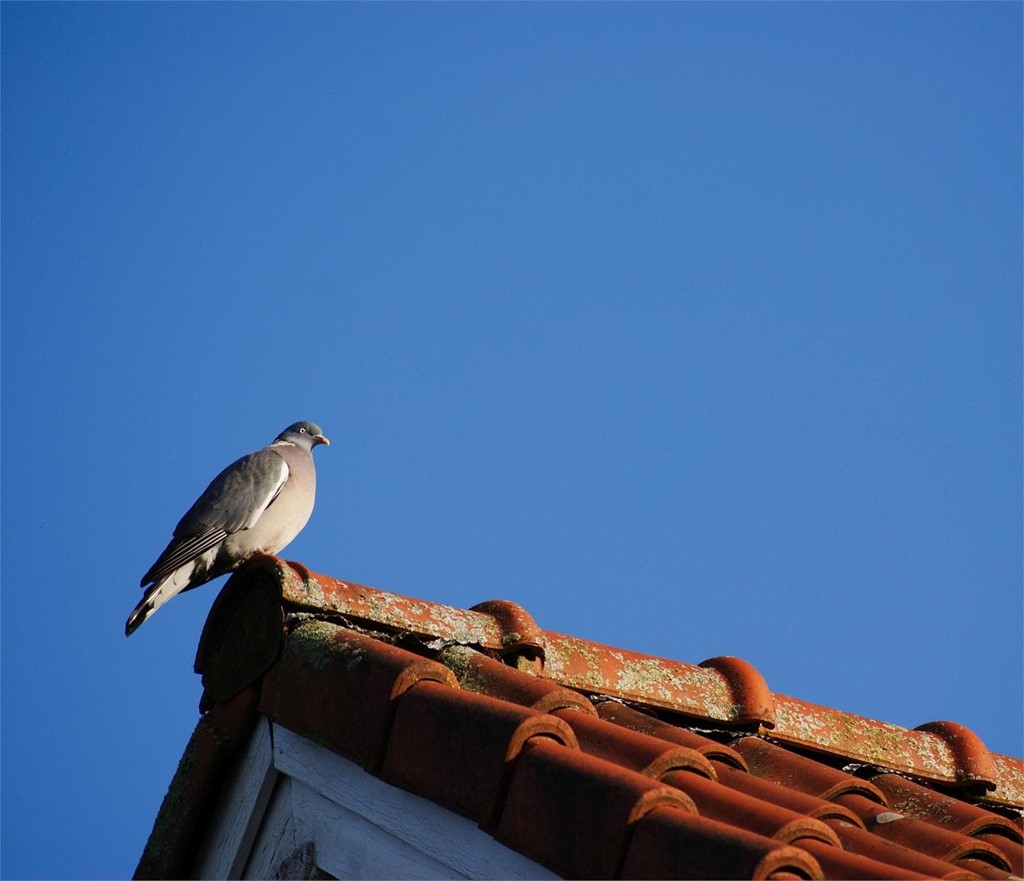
155 597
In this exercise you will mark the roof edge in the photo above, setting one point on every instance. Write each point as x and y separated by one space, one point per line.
725 693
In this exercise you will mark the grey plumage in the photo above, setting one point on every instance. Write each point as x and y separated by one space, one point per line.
255 505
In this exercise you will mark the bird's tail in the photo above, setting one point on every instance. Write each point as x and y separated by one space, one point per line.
156 595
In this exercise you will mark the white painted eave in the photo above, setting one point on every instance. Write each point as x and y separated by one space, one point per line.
290 802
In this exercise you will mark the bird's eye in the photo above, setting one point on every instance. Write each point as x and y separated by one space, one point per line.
302 431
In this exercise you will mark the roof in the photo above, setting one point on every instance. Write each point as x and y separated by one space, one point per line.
593 761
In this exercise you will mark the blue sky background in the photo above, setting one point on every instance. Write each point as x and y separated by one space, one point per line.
695 329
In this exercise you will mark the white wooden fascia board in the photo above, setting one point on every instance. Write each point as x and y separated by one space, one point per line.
277 838
446 837
239 813
349 846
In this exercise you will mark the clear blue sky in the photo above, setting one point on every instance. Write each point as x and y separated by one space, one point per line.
695 329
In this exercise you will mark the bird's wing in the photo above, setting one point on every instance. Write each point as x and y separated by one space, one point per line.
234 500
181 551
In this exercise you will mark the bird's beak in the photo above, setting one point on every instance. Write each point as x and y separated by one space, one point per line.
320 439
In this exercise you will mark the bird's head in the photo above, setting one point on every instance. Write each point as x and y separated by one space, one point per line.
303 434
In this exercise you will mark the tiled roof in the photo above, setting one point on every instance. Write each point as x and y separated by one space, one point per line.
594 761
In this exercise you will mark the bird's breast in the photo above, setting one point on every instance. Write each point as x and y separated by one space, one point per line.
283 519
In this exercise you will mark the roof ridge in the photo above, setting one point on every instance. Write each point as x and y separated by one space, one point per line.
729 692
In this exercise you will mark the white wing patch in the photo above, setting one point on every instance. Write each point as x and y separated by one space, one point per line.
261 504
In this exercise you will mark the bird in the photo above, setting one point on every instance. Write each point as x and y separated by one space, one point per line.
258 504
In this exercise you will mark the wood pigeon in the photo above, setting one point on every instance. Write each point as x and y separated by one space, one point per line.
255 505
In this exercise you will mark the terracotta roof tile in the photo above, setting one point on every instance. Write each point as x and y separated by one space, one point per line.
773 793
940 843
675 844
858 841
751 697
647 755
947 812
984 870
484 675
801 773
971 761
520 633
457 748
596 762
629 718
748 812
300 691
841 863
1013 853
573 812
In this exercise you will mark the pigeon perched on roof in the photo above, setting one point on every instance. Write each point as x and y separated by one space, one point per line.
255 505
